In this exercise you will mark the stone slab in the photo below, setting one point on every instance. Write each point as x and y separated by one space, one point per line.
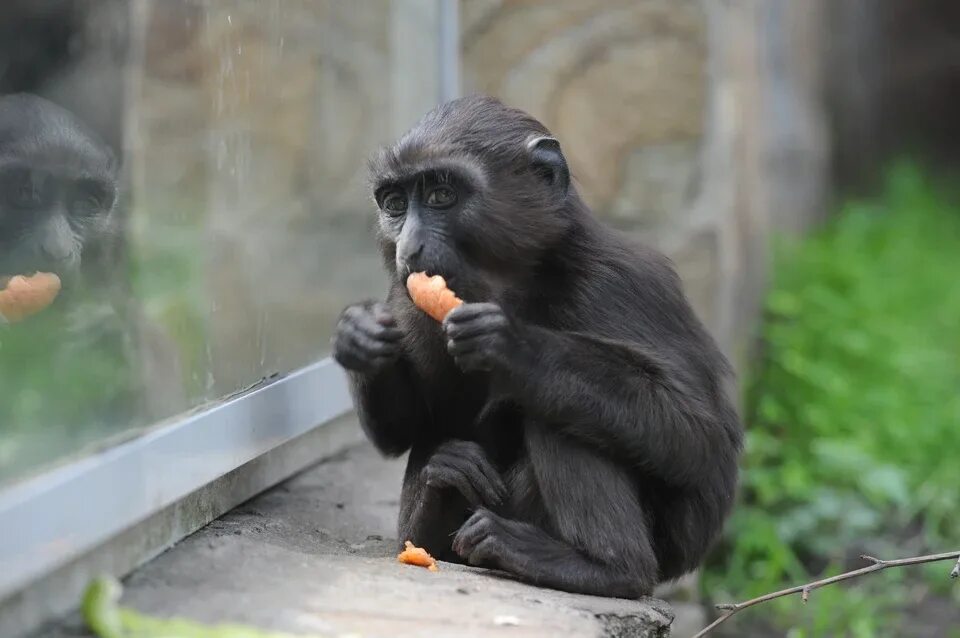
315 555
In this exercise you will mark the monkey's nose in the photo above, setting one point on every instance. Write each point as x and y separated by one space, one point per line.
56 251
411 260
57 242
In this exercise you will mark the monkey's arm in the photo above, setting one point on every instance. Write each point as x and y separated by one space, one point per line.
442 485
630 400
368 344
389 405
624 398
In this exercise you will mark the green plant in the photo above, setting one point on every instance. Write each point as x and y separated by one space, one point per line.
853 412
105 617
71 378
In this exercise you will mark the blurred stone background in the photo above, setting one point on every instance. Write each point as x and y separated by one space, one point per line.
697 126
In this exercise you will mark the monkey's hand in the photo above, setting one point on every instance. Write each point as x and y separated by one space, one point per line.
366 338
463 465
480 336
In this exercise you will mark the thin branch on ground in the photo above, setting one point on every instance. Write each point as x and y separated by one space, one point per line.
804 590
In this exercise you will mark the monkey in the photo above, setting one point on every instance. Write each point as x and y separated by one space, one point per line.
568 424
94 353
58 187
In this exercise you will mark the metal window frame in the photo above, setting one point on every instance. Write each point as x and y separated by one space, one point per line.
51 519
448 54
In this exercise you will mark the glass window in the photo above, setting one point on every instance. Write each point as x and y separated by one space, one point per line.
187 178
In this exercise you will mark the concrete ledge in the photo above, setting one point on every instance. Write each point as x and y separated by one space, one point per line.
59 592
314 555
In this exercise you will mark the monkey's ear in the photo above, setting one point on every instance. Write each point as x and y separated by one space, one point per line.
548 160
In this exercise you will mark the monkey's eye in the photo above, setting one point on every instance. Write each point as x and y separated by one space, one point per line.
441 197
89 198
394 204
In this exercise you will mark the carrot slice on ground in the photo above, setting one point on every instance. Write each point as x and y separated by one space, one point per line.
413 555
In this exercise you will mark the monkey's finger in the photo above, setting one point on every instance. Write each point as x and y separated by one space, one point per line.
370 321
468 345
446 476
484 552
383 316
358 359
481 463
472 532
472 453
391 335
353 361
348 360
355 313
497 482
484 324
468 311
370 327
491 494
365 343
465 539
479 482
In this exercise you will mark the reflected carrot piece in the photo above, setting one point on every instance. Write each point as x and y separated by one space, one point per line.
27 295
432 295
413 555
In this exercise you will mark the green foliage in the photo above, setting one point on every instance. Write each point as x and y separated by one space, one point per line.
65 377
107 619
853 413
72 379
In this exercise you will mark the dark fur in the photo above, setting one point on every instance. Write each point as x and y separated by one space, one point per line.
70 177
568 424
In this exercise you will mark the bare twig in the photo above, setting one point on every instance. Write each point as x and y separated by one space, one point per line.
804 590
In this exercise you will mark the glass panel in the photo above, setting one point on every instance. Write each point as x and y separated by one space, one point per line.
194 173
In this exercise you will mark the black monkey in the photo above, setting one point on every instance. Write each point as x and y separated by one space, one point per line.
58 187
568 423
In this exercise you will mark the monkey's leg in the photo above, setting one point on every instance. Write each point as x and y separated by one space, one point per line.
440 489
599 538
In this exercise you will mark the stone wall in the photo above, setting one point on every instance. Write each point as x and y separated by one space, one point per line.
693 125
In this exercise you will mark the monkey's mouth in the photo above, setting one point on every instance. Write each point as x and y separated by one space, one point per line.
450 280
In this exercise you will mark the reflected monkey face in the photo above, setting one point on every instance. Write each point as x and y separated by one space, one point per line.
58 187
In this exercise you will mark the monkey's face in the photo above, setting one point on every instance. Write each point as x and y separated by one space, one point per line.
421 218
46 218
477 192
57 189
